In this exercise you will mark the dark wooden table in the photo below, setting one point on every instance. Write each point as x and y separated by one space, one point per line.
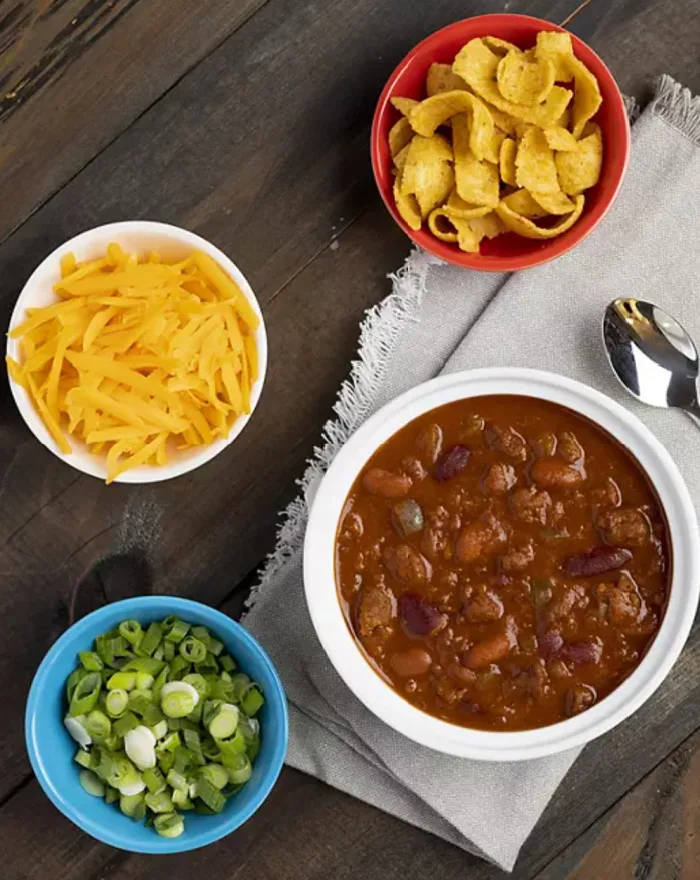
247 121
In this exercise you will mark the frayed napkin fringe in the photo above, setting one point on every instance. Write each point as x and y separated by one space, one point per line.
678 106
380 330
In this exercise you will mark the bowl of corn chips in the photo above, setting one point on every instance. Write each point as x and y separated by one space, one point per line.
500 142
136 352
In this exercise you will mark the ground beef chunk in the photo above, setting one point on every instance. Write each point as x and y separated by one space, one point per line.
478 539
507 441
531 505
377 607
499 479
518 559
483 607
578 698
624 527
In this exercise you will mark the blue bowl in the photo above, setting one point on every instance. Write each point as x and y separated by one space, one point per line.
51 748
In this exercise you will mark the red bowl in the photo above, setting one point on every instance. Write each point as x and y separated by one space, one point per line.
509 252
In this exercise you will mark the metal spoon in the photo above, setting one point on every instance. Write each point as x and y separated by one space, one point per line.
652 355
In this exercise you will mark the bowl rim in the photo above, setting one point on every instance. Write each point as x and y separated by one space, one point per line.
79 458
83 627
514 262
379 697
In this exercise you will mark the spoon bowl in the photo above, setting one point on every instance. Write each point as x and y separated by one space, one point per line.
651 354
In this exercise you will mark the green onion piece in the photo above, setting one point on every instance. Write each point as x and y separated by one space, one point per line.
252 700
210 749
116 769
139 812
234 745
131 631
144 680
210 795
215 647
199 683
166 761
151 640
160 680
177 631
129 802
209 664
177 781
239 769
181 800
240 682
178 668
159 803
224 723
216 774
171 742
193 743
177 702
112 742
182 759
201 633
111 794
98 725
168 651
91 661
139 702
149 665
169 825
154 779
76 676
91 783
159 653
123 681
86 694
160 729
210 710
196 714
83 758
223 689
152 716
127 722
227 663
116 702
192 650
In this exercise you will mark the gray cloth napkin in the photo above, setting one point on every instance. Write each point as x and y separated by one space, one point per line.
442 319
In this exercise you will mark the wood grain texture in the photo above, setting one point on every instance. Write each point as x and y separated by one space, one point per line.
274 190
75 73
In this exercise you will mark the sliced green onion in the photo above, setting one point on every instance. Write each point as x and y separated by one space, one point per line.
227 663
152 716
210 795
76 676
131 631
215 647
179 668
98 725
144 681
149 665
166 761
178 699
76 728
199 683
151 640
225 721
209 664
139 744
112 742
159 803
116 702
177 781
210 749
127 722
111 794
154 779
129 802
91 661
159 653
210 710
91 783
181 800
160 729
122 681
239 769
240 682
177 631
182 759
169 825
139 702
83 758
192 650
216 774
168 651
201 633
235 745
193 743
252 700
86 694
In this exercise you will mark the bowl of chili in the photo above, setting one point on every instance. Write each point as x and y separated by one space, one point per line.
502 564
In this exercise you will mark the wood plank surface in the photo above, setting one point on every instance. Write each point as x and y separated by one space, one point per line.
75 73
274 191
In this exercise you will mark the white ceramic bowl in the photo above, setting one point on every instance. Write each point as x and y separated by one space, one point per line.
379 697
135 236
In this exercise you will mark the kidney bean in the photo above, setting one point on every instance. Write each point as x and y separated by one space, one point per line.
407 517
414 661
596 561
419 617
581 652
460 673
488 651
451 462
429 442
477 539
551 473
386 484
407 565
550 643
